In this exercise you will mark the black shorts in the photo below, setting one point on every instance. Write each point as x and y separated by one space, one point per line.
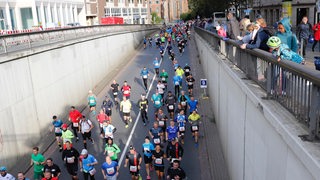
126 114
194 130
86 135
134 173
72 169
115 95
58 134
147 160
159 168
170 110
190 86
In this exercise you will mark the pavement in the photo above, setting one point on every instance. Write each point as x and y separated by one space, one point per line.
205 162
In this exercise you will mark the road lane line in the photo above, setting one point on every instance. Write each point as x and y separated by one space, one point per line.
139 114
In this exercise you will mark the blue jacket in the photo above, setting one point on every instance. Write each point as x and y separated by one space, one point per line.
288 37
260 41
285 53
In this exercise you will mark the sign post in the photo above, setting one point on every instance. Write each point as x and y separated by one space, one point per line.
204 85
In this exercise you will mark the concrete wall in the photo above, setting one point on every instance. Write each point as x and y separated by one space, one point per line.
48 81
259 137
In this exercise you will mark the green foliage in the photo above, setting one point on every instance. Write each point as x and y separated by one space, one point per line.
155 18
205 8
186 16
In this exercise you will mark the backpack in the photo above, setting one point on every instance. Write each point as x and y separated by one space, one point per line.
270 31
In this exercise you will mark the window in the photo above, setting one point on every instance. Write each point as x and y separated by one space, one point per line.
45 8
124 11
143 11
108 13
13 18
157 1
115 11
53 16
135 11
129 12
39 15
26 18
2 19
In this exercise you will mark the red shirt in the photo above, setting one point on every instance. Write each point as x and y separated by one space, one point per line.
126 90
102 117
75 116
53 178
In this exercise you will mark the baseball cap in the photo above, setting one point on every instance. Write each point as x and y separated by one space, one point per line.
131 147
3 168
84 151
64 126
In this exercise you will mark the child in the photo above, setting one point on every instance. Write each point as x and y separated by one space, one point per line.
282 51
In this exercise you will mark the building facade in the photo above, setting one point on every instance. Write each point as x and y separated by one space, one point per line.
28 14
273 10
169 10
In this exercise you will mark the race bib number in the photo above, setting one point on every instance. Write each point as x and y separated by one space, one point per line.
101 125
115 93
157 102
182 128
171 107
110 170
146 149
183 103
163 79
57 130
176 83
187 70
110 153
133 168
145 76
92 101
190 83
156 140
161 123
70 160
158 161
194 128
92 171
156 64
126 92
75 124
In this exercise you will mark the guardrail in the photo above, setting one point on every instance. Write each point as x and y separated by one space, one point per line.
294 86
27 41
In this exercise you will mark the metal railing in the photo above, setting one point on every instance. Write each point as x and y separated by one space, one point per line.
28 41
294 86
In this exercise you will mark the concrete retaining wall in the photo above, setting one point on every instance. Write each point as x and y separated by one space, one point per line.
48 81
259 137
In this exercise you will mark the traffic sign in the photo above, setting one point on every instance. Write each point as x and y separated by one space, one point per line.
203 83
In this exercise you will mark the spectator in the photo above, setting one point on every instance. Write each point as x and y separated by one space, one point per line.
221 31
209 25
232 27
249 34
21 176
285 34
303 32
243 25
316 29
259 39
4 174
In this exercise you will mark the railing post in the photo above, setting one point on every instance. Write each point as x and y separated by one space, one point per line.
269 79
4 45
313 123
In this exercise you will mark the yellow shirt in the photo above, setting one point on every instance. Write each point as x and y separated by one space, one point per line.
194 117
179 72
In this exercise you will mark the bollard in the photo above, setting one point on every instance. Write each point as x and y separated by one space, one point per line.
317 62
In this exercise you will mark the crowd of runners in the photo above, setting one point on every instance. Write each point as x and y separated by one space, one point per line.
175 114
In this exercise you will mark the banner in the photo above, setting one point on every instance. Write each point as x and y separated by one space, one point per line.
287 9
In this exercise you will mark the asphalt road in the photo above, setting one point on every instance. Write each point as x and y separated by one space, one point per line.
131 73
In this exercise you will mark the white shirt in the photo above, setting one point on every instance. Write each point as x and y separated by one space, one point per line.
108 131
7 177
85 125
160 88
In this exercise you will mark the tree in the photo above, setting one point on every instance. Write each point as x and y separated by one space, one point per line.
205 8
155 18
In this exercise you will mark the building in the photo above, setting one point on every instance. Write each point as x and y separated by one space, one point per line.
273 10
28 14
169 10
132 11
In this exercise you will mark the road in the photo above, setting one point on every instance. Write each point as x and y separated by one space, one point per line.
136 132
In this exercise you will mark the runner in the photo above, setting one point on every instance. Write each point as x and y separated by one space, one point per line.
108 130
70 157
160 88
111 149
92 102
190 81
156 134
4 175
107 105
158 156
125 108
177 82
147 155
176 172
144 75
115 91
48 176
52 167
162 119
66 136
193 104
187 70
180 72
157 101
110 169
174 151
161 51
74 117
101 118
57 123
172 131
170 102
126 89
164 77
194 119
150 41
85 127
143 105
134 160
144 42
156 65
183 100
86 163
181 119
38 161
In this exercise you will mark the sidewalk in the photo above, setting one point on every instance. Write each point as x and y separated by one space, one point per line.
211 157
